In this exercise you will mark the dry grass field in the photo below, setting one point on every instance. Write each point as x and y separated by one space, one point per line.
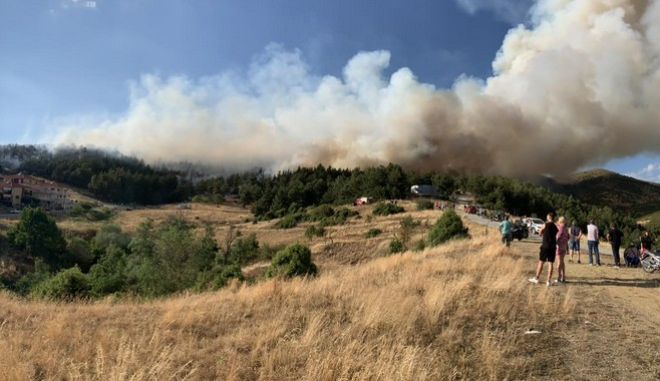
456 312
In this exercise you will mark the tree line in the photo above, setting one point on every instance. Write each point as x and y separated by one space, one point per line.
291 192
108 177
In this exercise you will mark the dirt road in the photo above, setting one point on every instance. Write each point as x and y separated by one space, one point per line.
616 333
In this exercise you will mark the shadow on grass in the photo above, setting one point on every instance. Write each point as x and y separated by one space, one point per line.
641 283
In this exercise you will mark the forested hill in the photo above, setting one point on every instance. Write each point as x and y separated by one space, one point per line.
106 176
604 188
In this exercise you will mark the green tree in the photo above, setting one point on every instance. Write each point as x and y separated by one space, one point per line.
294 260
67 284
448 226
38 236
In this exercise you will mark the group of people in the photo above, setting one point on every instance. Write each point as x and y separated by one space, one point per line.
558 241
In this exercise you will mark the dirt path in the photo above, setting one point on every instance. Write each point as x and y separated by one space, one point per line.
615 334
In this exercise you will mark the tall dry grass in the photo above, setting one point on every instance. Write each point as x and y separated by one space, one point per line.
455 312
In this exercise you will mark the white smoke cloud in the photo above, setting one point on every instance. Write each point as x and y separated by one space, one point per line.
512 11
578 87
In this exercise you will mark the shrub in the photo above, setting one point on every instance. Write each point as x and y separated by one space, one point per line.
420 245
374 233
425 205
29 281
218 277
448 226
387 208
396 246
408 225
108 276
294 260
289 221
214 199
314 231
244 250
67 284
96 215
321 212
80 253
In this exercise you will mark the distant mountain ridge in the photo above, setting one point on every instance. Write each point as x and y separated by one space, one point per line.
605 188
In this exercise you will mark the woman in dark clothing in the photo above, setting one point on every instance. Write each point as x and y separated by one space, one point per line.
548 250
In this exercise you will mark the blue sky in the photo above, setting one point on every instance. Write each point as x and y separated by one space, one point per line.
64 58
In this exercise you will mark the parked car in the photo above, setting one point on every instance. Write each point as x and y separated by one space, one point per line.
535 225
497 215
470 209
519 231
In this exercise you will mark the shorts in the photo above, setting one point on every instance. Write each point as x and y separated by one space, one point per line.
547 254
575 245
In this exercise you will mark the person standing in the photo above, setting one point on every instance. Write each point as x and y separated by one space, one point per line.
548 250
615 236
562 248
574 241
505 230
647 243
592 243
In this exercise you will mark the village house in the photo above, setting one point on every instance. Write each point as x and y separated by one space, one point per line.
21 190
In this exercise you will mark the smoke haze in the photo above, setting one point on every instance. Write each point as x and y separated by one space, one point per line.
579 86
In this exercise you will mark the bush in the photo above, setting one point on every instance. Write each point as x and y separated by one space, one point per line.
218 277
387 208
96 215
374 233
396 246
321 212
425 205
67 284
244 250
289 221
420 245
29 281
294 260
314 231
80 253
108 276
448 226
214 199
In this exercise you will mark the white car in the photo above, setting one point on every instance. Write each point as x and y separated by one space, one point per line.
535 225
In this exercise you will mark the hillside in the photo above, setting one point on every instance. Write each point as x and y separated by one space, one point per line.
604 188
459 311
410 317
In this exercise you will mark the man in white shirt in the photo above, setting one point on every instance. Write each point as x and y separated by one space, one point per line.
592 243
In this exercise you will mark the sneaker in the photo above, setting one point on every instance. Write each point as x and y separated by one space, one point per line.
533 280
616 266
549 284
556 281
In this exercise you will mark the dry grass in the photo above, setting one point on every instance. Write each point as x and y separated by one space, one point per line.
455 312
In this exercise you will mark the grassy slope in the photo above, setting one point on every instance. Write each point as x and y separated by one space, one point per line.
440 314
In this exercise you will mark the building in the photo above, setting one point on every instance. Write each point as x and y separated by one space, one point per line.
21 190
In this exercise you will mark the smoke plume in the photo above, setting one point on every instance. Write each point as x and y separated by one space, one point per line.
578 87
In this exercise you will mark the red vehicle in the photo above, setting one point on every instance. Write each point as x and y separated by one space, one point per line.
470 209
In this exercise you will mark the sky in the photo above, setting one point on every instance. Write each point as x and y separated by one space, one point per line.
65 59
